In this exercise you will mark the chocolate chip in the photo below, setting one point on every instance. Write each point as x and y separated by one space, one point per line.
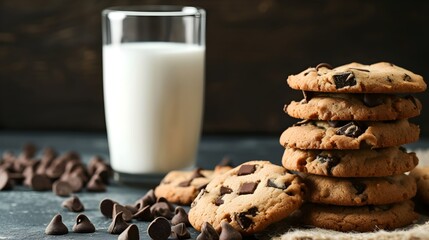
360 69
351 129
75 182
373 100
28 151
96 184
208 232
163 199
331 162
62 188
40 183
118 224
73 204
300 123
161 209
359 186
159 229
413 99
93 164
323 65
225 190
197 174
83 225
242 218
56 226
406 77
247 188
127 215
181 231
346 79
144 214
228 232
336 123
5 183
180 216
307 96
106 207
130 233
148 199
185 183
271 183
246 169
219 201
173 236
131 208
225 162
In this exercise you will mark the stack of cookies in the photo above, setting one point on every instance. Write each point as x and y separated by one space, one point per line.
348 147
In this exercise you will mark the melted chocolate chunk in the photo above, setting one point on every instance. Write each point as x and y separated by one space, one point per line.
300 123
413 99
373 100
359 186
243 220
337 123
271 183
325 65
307 96
246 169
406 78
351 129
342 80
330 160
247 188
225 190
360 69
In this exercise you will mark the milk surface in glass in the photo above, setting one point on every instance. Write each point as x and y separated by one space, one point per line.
153 95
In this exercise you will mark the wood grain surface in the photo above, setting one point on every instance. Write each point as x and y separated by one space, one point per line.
50 56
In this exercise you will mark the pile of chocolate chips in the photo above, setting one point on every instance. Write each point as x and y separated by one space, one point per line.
62 173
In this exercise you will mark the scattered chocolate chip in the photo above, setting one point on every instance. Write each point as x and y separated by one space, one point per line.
346 79
208 232
144 214
159 229
118 224
181 231
180 216
163 199
73 204
62 188
76 183
161 209
28 151
246 169
228 232
271 183
173 236
219 201
323 65
96 184
94 163
83 225
359 186
131 208
40 183
406 77
225 190
307 96
331 162
185 183
106 207
360 69
56 226
300 123
148 199
373 100
5 183
247 188
351 129
130 233
127 215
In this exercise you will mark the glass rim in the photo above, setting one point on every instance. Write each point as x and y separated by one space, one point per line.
156 10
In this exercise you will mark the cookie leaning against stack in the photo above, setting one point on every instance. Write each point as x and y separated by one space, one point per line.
348 148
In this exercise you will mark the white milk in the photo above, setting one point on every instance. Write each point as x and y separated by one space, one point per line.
153 96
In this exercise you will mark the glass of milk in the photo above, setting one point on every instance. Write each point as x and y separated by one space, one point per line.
153 76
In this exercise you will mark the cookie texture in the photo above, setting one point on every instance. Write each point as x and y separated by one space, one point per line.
377 162
349 135
360 107
421 174
359 191
362 219
249 197
181 187
380 77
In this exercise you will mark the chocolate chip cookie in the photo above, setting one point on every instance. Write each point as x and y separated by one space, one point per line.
362 219
359 191
377 162
380 77
181 187
360 107
421 174
349 134
249 197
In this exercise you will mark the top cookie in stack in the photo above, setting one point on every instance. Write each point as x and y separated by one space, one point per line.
355 121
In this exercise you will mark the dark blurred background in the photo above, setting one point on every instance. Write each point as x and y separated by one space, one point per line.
50 57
